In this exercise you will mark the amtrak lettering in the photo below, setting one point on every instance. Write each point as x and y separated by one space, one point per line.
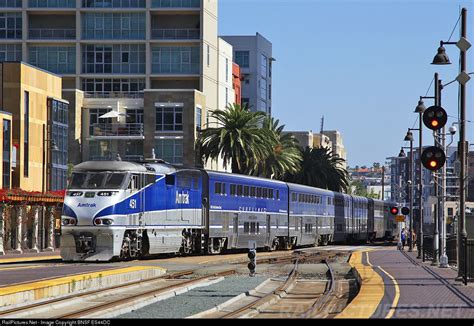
182 198
87 205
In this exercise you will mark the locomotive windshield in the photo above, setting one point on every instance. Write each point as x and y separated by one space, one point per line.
97 180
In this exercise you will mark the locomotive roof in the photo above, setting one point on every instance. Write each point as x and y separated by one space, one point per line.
110 166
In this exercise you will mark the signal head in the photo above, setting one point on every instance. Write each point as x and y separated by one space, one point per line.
394 210
433 158
252 254
435 118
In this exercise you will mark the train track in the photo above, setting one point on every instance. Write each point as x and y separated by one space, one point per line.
296 297
34 309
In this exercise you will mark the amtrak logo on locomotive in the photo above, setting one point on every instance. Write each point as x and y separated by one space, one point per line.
182 198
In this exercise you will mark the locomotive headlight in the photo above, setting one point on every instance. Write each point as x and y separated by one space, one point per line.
68 221
107 221
74 193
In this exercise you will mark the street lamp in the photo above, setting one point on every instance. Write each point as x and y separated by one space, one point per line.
463 78
409 138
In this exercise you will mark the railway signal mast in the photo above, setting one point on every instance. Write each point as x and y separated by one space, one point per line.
252 265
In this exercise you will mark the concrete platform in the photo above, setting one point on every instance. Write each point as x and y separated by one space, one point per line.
84 278
11 258
394 284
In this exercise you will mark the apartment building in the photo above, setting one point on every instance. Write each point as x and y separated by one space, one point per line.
254 56
35 128
143 73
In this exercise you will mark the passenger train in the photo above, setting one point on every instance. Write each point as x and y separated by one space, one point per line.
121 210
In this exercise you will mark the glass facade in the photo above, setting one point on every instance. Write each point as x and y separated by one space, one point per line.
242 58
10 52
114 59
59 156
99 87
7 132
176 3
52 3
169 119
10 3
176 60
113 3
169 150
57 59
10 25
120 26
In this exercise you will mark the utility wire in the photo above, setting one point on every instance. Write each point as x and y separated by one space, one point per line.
431 84
459 18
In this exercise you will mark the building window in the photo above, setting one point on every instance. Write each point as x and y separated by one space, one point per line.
6 154
10 25
59 117
52 3
134 116
227 70
227 97
245 102
95 121
170 150
208 55
263 89
263 66
242 58
176 60
26 134
10 3
113 3
107 87
118 58
10 52
198 119
169 119
116 26
57 59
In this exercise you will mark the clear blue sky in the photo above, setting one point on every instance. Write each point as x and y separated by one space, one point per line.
362 64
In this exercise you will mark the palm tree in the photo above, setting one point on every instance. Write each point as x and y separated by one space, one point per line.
238 138
319 168
285 156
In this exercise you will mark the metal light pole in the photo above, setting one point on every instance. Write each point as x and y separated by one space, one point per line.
435 185
409 137
420 109
442 59
441 200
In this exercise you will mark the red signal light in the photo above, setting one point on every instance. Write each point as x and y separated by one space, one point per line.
394 210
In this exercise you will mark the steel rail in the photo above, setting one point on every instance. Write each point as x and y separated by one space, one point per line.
78 295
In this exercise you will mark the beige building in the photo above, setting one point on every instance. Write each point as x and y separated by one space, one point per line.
310 139
38 123
137 69
337 144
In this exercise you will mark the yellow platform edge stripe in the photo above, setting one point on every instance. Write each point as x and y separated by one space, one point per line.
371 291
69 279
27 259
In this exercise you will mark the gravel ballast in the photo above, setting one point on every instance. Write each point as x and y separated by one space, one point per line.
199 299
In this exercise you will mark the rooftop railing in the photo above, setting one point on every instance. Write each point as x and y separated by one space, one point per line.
52 33
117 130
176 33
113 94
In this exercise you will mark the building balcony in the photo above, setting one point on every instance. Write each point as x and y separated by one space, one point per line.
52 33
176 69
113 94
176 4
176 34
62 4
111 130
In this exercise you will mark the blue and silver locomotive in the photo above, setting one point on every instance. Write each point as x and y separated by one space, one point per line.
120 210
